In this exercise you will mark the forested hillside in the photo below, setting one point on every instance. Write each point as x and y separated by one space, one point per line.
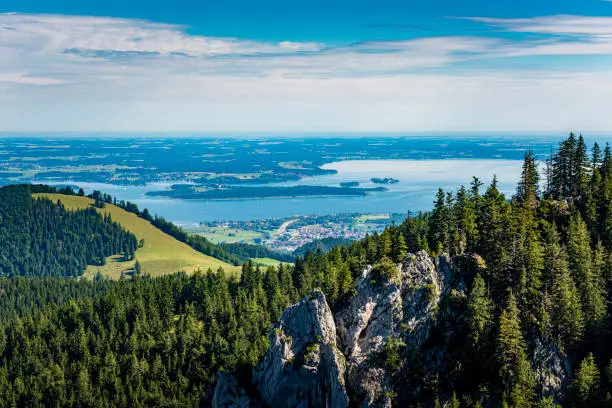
158 253
42 238
529 273
235 253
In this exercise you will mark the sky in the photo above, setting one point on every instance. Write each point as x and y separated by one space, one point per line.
305 66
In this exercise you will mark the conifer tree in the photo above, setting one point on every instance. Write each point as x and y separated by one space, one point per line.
527 190
515 370
480 312
581 265
439 224
580 170
465 210
586 383
399 249
566 317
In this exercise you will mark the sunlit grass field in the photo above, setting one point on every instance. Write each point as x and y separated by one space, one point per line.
161 254
223 234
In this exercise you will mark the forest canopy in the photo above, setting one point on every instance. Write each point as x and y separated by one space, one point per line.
537 268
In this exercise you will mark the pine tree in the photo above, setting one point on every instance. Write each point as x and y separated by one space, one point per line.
385 245
480 313
515 369
566 317
589 285
596 156
527 190
439 224
399 247
138 268
532 256
494 227
580 170
465 213
454 402
586 383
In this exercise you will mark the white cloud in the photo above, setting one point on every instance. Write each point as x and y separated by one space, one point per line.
559 25
20 78
78 73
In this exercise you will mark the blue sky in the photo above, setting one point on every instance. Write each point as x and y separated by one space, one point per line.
388 66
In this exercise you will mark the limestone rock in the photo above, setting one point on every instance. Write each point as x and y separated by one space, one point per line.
552 370
303 367
423 284
401 307
364 324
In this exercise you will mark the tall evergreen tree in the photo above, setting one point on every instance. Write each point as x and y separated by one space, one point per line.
515 369
586 383
566 316
581 265
528 185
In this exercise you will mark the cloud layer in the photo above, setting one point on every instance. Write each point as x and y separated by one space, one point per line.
92 73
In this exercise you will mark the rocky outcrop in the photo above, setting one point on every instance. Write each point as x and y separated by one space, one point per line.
400 306
423 284
552 370
318 360
364 324
303 367
229 394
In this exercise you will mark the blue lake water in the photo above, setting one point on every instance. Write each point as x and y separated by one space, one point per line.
419 181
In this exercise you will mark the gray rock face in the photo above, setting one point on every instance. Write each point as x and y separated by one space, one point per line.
364 324
423 284
229 394
552 370
303 367
317 360
403 307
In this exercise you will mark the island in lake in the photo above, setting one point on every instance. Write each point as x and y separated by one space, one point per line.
349 184
189 191
386 180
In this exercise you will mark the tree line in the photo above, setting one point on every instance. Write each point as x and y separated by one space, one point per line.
42 238
536 270
235 253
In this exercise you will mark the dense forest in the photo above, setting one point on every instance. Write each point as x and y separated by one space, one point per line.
248 251
236 254
323 245
537 268
42 238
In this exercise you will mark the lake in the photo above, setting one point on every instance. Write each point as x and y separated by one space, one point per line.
419 181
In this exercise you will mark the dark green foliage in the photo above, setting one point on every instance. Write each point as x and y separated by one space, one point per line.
141 342
534 269
515 370
20 296
587 382
247 251
392 353
323 245
41 238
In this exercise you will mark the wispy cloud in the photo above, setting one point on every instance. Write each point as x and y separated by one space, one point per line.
158 76
557 25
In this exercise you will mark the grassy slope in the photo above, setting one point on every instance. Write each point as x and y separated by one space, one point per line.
161 253
222 234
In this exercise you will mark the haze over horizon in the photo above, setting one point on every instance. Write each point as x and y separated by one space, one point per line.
305 67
